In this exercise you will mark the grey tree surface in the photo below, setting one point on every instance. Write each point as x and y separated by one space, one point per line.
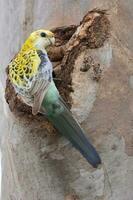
34 168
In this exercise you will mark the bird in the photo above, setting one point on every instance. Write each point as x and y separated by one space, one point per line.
30 73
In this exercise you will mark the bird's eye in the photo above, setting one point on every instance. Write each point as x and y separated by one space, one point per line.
43 34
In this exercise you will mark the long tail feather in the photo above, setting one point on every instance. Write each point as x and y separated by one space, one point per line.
63 120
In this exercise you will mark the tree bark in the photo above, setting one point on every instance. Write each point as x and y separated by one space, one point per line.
93 73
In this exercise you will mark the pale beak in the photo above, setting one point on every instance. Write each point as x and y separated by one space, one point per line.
52 40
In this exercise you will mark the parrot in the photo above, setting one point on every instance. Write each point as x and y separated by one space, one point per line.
30 73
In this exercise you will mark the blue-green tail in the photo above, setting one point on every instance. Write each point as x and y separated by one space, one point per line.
63 120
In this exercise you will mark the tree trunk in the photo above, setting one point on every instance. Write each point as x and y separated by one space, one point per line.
93 72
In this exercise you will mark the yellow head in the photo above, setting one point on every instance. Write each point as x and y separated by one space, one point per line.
39 39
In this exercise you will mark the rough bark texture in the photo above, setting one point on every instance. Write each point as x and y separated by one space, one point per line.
96 73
